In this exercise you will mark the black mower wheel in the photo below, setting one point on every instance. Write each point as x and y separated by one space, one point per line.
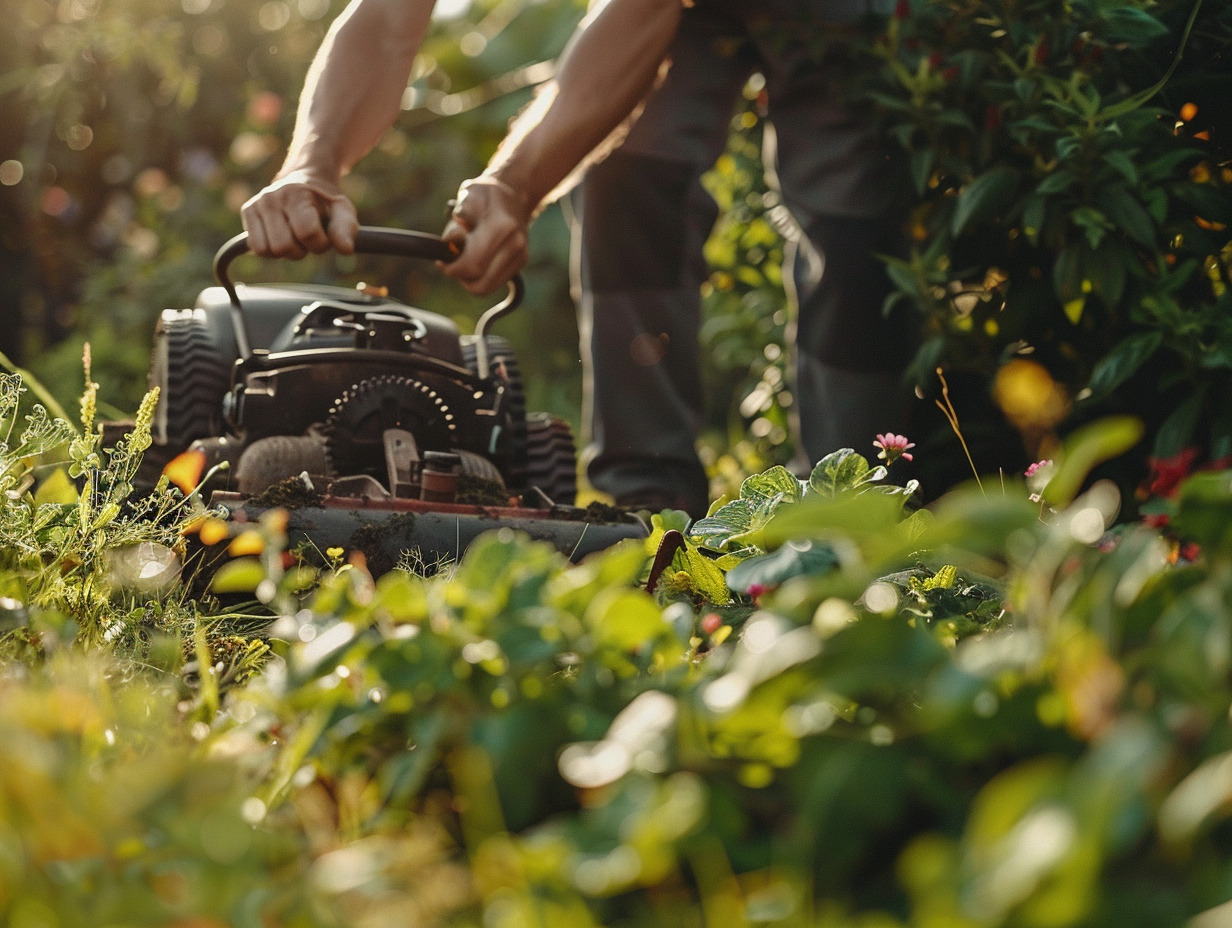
191 365
510 455
551 457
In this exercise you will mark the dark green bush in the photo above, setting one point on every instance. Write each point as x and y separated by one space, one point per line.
1072 254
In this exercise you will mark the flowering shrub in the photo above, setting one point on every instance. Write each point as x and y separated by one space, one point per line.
1071 244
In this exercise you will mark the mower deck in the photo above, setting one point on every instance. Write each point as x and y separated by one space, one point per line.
393 531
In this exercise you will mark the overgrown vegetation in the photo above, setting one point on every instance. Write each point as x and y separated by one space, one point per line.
830 708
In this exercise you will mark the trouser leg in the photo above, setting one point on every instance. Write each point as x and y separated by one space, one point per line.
849 357
638 321
841 183
642 218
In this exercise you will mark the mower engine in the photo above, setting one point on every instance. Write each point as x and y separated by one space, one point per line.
376 406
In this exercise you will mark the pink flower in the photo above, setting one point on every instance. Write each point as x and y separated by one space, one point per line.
893 447
1037 467
711 623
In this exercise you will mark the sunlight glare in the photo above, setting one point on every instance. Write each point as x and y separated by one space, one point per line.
451 9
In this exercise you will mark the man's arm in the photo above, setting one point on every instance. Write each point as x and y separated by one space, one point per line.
351 96
608 68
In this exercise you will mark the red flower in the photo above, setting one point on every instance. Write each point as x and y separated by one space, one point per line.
1167 473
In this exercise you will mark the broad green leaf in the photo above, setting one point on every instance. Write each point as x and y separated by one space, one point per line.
1204 510
1106 270
1085 449
1119 364
726 523
1133 26
707 577
778 481
1034 214
860 517
624 619
1067 274
985 197
794 559
838 472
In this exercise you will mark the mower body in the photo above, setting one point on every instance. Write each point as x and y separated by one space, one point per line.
379 407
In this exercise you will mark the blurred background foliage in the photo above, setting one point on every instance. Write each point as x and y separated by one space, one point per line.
1071 246
1072 166
131 132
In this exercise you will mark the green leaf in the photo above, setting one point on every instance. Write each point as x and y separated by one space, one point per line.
57 488
1067 274
1093 223
985 197
727 522
707 578
1034 214
1085 449
1132 26
1204 510
777 482
838 472
624 619
243 575
922 162
794 559
1066 146
1179 430
1106 269
1119 364
1127 214
1167 165
1056 182
1122 163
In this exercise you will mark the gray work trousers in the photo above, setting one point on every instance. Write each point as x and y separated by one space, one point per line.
642 217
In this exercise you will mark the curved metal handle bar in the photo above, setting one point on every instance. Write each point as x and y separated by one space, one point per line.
373 240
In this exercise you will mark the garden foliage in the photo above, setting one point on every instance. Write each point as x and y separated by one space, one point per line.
1070 163
997 711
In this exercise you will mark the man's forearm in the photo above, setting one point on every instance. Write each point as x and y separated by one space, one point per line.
609 67
353 91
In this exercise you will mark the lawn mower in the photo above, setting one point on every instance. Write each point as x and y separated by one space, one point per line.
376 424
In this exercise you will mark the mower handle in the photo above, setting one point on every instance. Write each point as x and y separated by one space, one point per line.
373 240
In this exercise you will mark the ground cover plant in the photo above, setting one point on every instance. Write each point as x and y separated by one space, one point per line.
829 708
